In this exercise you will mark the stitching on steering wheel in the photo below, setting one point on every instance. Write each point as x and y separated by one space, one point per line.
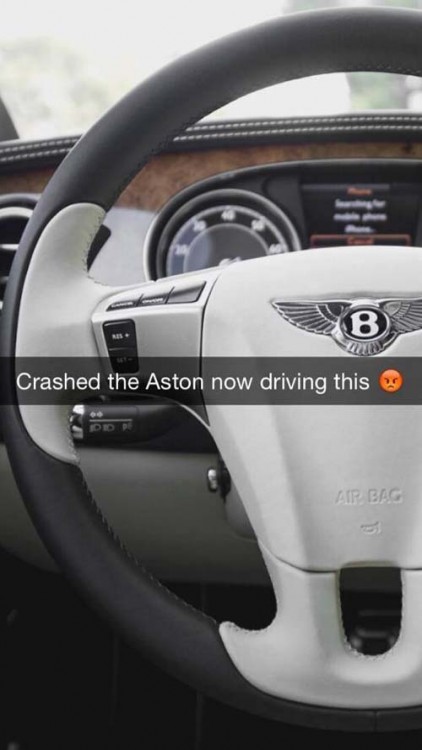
131 557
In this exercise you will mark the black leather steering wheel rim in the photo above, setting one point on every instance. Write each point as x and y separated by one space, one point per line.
181 640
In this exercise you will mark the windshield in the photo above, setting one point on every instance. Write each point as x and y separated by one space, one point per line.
60 69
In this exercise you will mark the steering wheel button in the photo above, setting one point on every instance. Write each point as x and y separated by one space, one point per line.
124 361
120 334
154 298
185 294
122 304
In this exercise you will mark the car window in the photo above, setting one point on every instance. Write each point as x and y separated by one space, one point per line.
59 71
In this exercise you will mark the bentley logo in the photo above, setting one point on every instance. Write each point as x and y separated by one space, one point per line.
361 326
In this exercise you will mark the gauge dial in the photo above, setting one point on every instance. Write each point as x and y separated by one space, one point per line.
221 227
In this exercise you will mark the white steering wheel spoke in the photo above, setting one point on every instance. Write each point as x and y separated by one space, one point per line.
75 317
58 298
304 652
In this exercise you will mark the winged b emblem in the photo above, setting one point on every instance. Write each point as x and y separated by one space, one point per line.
362 326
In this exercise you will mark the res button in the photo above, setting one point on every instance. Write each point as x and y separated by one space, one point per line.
120 334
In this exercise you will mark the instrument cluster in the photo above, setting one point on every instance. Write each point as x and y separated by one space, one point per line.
275 209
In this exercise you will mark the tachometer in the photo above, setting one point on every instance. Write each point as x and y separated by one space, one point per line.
220 227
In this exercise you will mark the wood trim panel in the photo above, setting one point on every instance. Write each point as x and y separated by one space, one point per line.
167 174
33 181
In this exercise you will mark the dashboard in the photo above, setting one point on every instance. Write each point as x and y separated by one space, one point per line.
285 208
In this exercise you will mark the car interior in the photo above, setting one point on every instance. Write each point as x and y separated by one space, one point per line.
181 569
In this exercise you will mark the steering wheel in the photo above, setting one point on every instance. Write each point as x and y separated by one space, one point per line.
288 463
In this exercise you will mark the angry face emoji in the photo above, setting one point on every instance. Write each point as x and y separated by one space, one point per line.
391 381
